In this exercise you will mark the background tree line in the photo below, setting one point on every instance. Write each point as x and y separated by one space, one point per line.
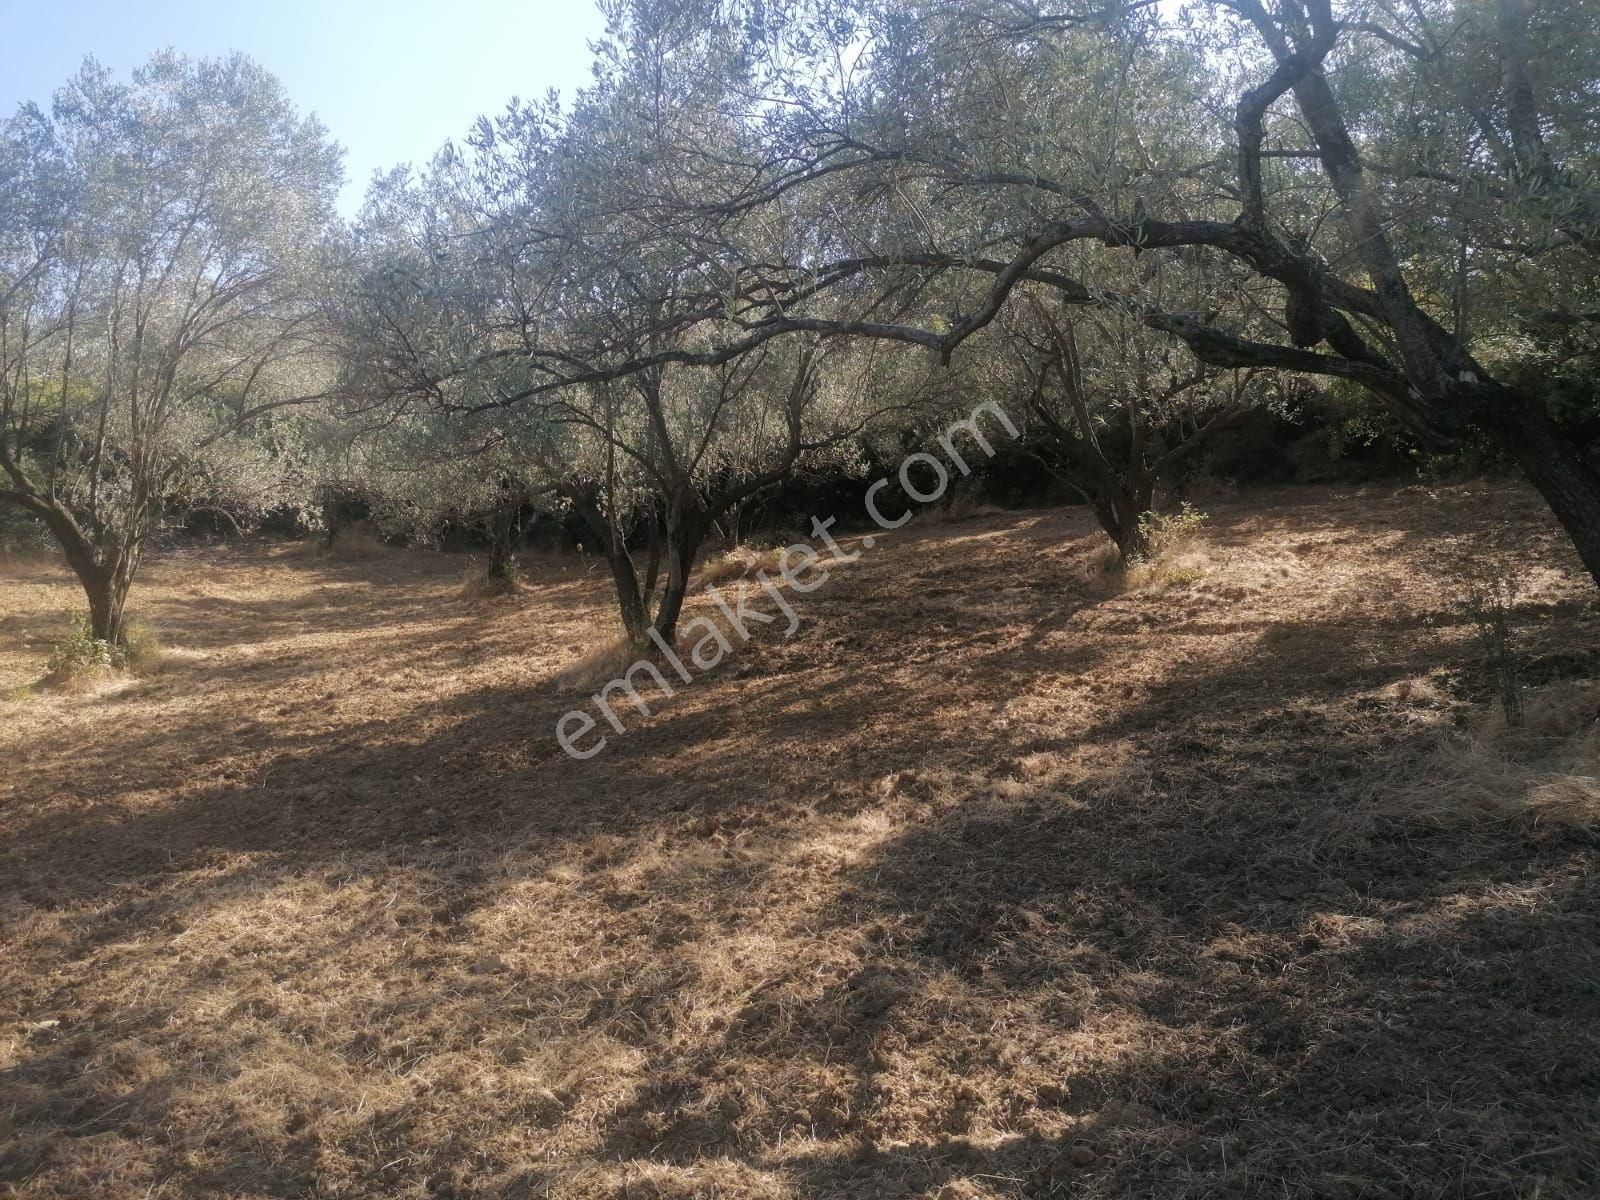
774 243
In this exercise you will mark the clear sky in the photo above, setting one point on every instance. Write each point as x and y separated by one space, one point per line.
391 80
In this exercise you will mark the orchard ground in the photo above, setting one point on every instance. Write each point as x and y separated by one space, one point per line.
1005 876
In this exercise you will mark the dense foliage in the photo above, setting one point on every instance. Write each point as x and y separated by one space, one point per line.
160 243
784 237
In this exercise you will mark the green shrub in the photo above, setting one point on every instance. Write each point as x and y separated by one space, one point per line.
1165 532
79 652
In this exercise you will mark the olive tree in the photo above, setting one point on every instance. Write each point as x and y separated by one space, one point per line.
1123 408
419 471
545 270
159 243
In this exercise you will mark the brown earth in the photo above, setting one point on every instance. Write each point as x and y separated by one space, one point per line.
1003 877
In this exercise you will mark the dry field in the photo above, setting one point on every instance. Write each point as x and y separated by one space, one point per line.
1003 877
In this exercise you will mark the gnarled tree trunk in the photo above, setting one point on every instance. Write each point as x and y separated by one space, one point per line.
636 592
1121 505
504 523
105 572
1554 464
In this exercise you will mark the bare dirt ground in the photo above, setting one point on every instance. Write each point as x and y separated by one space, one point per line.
1001 878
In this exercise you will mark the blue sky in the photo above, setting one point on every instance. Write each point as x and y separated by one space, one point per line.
391 81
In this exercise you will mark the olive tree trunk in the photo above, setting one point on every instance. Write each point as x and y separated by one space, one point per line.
1556 466
105 572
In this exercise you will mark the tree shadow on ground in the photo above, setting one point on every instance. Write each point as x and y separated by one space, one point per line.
906 905
1201 988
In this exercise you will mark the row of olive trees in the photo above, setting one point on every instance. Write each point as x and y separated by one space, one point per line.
1131 223
532 287
611 292
184 323
1394 194
766 231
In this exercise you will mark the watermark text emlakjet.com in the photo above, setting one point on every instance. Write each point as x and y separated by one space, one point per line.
802 568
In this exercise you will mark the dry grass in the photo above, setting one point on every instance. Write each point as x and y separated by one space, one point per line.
357 543
80 665
1175 567
962 508
477 583
1543 774
610 654
992 881
739 562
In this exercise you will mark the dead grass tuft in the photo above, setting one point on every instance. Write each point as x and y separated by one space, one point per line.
358 543
609 657
145 654
1543 774
739 562
78 679
1103 563
478 584
1174 563
961 508
80 664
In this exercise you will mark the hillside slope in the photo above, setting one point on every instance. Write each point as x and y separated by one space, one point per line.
1001 877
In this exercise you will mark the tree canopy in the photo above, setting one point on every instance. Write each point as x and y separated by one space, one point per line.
744 244
160 312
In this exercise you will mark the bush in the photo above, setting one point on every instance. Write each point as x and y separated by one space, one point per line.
1166 532
79 654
